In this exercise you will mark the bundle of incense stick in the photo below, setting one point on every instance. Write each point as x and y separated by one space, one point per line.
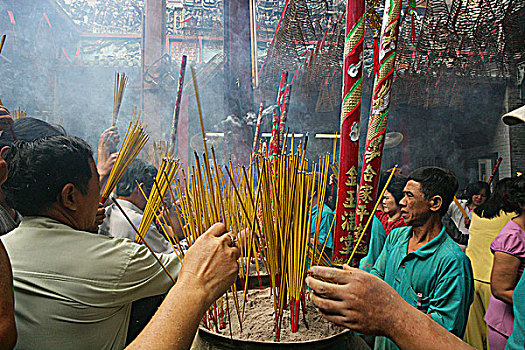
19 114
282 189
165 175
158 151
121 80
134 141
271 202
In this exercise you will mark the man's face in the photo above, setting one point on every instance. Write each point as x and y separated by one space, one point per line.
415 209
89 203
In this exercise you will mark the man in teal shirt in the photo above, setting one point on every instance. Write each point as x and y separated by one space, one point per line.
420 261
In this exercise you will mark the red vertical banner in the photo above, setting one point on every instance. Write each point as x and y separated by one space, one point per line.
350 118
375 138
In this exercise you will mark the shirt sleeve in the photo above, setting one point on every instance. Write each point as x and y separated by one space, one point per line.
510 242
381 262
451 298
377 241
157 241
144 277
327 224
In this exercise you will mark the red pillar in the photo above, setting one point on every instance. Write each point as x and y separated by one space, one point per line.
350 119
238 90
154 47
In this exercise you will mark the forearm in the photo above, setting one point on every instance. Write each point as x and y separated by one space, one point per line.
417 331
8 334
176 322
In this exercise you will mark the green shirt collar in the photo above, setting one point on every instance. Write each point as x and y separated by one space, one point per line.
429 248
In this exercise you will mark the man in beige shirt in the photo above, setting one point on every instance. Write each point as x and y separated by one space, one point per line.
73 289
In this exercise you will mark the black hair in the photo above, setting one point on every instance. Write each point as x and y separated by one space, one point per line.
39 170
514 198
383 178
139 171
436 181
494 205
476 188
30 129
396 187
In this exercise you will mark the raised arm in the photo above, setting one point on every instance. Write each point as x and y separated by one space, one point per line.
210 267
364 303
504 276
7 303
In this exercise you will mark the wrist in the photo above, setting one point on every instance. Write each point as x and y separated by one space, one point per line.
195 291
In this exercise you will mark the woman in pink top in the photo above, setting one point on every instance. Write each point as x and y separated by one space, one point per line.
509 261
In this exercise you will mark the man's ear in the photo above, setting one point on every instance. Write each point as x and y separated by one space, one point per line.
435 203
68 197
4 151
140 189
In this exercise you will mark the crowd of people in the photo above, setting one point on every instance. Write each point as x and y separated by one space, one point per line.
72 276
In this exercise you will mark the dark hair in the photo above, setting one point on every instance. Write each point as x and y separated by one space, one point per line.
139 171
436 182
475 188
396 187
383 177
514 198
39 170
30 129
494 205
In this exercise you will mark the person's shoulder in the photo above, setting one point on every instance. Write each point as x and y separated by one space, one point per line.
380 214
398 235
400 231
512 228
511 239
450 254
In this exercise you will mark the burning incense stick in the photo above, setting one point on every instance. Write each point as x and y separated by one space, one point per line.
165 176
176 110
460 207
496 167
19 114
2 43
121 80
